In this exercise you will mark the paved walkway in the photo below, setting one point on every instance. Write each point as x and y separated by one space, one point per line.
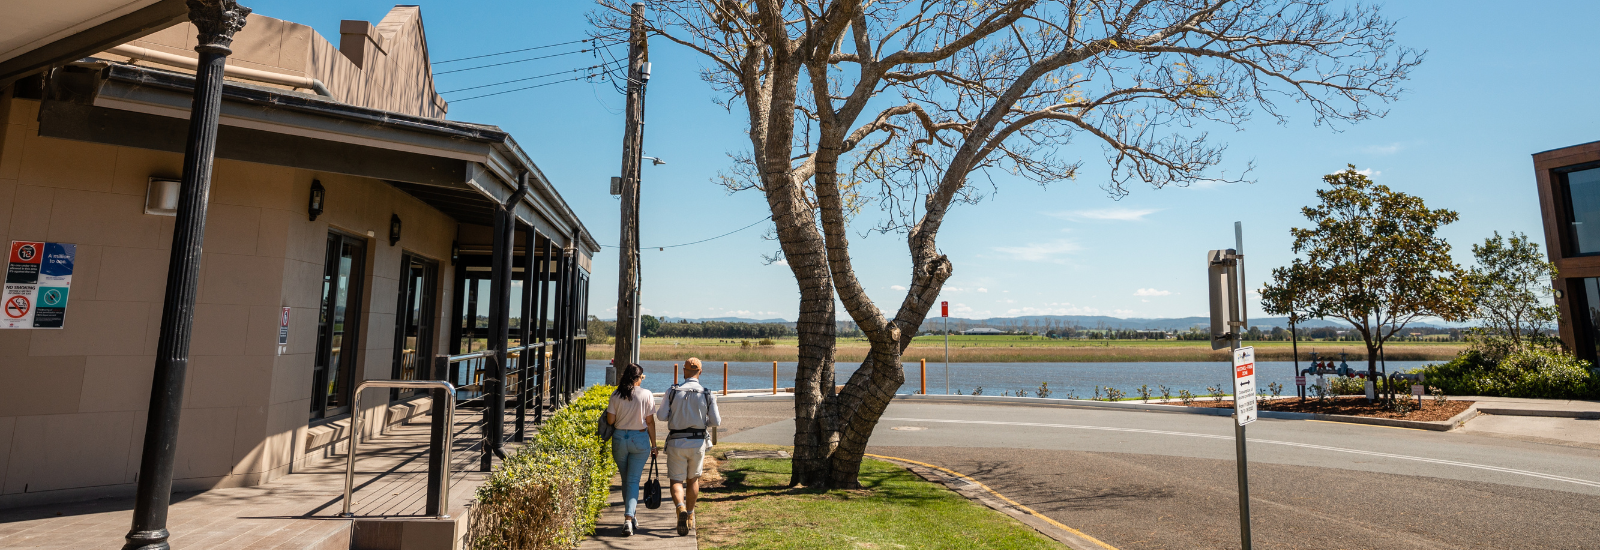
658 528
1535 407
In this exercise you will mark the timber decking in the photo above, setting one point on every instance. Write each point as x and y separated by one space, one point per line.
298 511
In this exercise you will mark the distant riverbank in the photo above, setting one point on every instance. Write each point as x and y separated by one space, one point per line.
1016 350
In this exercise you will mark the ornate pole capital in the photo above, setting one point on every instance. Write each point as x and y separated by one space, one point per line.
217 21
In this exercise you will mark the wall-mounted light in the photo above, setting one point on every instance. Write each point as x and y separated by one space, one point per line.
455 252
161 197
394 229
1559 294
315 208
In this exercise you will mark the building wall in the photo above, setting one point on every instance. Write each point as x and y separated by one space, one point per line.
383 66
73 401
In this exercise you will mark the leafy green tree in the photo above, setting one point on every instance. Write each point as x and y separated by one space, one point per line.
649 325
1512 283
1374 259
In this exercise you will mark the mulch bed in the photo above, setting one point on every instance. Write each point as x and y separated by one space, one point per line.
1351 405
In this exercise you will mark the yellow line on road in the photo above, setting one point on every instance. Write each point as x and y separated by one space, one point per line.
997 494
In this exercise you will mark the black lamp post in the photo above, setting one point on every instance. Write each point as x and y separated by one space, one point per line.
317 192
217 21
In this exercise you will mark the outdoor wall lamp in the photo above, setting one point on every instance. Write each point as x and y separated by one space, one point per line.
316 199
394 229
161 197
1559 294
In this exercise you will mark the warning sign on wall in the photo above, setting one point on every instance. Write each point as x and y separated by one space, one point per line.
38 280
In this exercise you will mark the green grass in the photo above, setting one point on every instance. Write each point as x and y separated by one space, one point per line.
895 509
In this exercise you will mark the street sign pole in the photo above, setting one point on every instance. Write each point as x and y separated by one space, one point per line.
944 311
1244 381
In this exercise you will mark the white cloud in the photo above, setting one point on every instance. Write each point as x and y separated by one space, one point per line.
1151 292
1389 149
1369 173
1065 308
1041 252
981 289
784 262
896 287
1115 213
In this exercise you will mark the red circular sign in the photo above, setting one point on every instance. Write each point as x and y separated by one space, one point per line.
17 307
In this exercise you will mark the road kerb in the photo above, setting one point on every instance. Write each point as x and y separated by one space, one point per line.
1073 538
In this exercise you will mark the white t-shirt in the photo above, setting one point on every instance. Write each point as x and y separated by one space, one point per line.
630 413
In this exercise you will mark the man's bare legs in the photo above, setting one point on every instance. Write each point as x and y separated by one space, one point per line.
684 496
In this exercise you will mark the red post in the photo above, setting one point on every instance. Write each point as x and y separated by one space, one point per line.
724 378
924 377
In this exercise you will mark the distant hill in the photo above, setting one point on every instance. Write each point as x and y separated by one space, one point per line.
1082 321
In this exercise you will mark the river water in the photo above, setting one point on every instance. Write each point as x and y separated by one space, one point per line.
995 378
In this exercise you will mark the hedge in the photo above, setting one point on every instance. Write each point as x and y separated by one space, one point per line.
549 494
1532 373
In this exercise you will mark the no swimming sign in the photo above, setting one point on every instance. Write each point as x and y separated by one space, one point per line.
38 279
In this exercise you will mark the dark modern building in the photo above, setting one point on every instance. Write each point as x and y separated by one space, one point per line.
1569 201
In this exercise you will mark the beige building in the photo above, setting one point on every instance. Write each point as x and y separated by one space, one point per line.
375 281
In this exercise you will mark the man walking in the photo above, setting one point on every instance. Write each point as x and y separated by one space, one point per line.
688 411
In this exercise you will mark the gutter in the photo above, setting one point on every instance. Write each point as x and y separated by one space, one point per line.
175 60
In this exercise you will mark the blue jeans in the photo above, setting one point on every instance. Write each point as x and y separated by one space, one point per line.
630 449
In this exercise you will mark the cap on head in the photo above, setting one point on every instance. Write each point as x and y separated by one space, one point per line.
691 367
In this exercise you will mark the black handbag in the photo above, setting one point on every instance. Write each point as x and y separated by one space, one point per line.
652 488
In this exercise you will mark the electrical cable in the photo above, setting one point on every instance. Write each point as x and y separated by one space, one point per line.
510 62
701 240
596 38
522 79
523 88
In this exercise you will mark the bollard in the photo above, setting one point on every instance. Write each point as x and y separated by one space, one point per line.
924 377
774 378
724 378
674 374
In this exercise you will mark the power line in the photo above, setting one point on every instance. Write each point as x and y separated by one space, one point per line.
522 79
521 89
758 222
511 62
593 39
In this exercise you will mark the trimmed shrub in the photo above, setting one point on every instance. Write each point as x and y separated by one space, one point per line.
1533 373
549 494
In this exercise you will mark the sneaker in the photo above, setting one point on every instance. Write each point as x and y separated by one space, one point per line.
627 527
691 520
683 522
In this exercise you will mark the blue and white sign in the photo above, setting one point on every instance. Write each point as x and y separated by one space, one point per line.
38 284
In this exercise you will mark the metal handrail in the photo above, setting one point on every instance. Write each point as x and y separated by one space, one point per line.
449 436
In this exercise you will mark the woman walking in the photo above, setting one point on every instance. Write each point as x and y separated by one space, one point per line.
631 411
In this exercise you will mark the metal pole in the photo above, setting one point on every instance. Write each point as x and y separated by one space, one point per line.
627 346
438 441
1238 429
525 333
542 266
217 21
724 378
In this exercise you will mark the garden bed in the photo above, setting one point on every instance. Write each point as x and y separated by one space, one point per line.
1351 405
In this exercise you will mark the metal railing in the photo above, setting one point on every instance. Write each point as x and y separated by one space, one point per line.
439 470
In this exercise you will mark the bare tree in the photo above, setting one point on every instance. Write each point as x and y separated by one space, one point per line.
903 102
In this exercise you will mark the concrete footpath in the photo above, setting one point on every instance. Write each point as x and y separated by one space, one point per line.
658 528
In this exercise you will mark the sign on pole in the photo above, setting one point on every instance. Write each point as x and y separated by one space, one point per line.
944 309
1244 385
37 285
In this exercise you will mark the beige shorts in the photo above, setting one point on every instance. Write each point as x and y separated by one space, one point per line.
685 463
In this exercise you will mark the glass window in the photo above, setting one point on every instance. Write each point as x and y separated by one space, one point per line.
337 326
1583 196
414 323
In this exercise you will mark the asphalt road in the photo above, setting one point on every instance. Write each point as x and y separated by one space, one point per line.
1151 480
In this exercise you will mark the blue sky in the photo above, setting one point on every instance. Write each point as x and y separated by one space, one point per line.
1500 82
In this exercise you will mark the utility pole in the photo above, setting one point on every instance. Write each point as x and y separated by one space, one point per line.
627 348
